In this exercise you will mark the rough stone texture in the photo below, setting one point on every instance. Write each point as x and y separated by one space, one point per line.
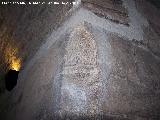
152 32
25 28
111 10
92 68
81 85
133 85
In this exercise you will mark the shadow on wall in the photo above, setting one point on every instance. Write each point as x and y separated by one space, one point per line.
100 117
155 3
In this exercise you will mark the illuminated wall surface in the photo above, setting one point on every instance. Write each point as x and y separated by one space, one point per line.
97 59
11 58
23 29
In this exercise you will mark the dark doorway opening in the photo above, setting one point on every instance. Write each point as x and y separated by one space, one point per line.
11 79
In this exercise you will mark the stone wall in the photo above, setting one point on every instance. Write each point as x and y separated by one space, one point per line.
23 29
93 67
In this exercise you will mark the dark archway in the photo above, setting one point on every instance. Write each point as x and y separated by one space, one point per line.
11 79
